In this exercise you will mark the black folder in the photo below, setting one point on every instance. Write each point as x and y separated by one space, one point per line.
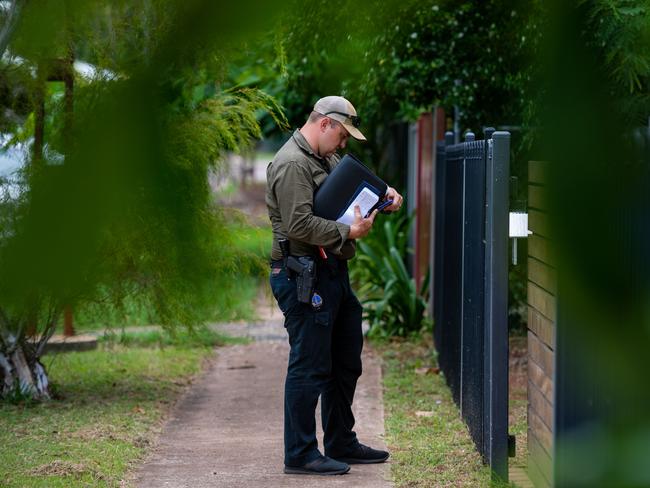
343 185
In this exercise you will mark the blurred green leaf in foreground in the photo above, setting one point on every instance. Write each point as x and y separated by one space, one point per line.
114 191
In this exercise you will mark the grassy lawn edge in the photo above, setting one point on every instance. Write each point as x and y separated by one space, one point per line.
110 406
429 442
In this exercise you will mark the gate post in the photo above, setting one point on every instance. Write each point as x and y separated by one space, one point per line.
496 304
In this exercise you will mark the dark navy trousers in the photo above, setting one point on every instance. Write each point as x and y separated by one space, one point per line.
325 361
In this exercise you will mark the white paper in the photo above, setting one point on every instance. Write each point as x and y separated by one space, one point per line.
366 199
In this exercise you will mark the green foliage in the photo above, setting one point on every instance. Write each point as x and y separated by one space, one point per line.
597 199
106 311
395 60
14 97
261 63
198 337
126 209
518 298
619 31
392 303
229 299
465 54
614 38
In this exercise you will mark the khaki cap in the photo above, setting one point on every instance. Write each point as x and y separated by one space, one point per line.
341 110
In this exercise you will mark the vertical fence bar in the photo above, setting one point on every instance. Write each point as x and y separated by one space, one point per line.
439 296
438 151
496 305
440 196
411 185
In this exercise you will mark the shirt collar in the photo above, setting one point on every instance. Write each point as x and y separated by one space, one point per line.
303 144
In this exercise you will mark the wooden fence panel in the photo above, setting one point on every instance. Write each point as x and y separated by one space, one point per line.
540 463
541 379
542 275
540 248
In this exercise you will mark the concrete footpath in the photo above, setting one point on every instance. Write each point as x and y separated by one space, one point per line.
227 430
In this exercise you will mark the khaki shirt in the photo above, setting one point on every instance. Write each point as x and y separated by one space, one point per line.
292 178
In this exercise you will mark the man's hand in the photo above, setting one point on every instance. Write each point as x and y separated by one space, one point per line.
391 194
360 227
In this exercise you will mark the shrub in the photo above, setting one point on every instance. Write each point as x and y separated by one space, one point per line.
393 306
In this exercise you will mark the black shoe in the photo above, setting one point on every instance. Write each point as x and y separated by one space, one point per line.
363 455
321 466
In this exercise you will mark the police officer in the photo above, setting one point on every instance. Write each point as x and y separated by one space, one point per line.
325 335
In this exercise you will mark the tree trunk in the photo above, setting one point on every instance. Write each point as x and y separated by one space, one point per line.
22 375
11 20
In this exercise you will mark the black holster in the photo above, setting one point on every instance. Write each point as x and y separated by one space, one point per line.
303 269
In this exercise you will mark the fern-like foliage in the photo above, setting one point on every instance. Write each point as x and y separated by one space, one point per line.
620 31
125 206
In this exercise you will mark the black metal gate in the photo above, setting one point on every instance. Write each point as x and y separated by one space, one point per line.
471 285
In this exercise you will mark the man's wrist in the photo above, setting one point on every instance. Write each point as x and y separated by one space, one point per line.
354 232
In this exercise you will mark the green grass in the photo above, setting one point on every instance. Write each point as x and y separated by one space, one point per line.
108 407
233 302
182 338
256 240
99 315
427 451
519 428
227 190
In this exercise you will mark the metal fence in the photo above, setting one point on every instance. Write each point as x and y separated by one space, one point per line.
471 285
590 415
